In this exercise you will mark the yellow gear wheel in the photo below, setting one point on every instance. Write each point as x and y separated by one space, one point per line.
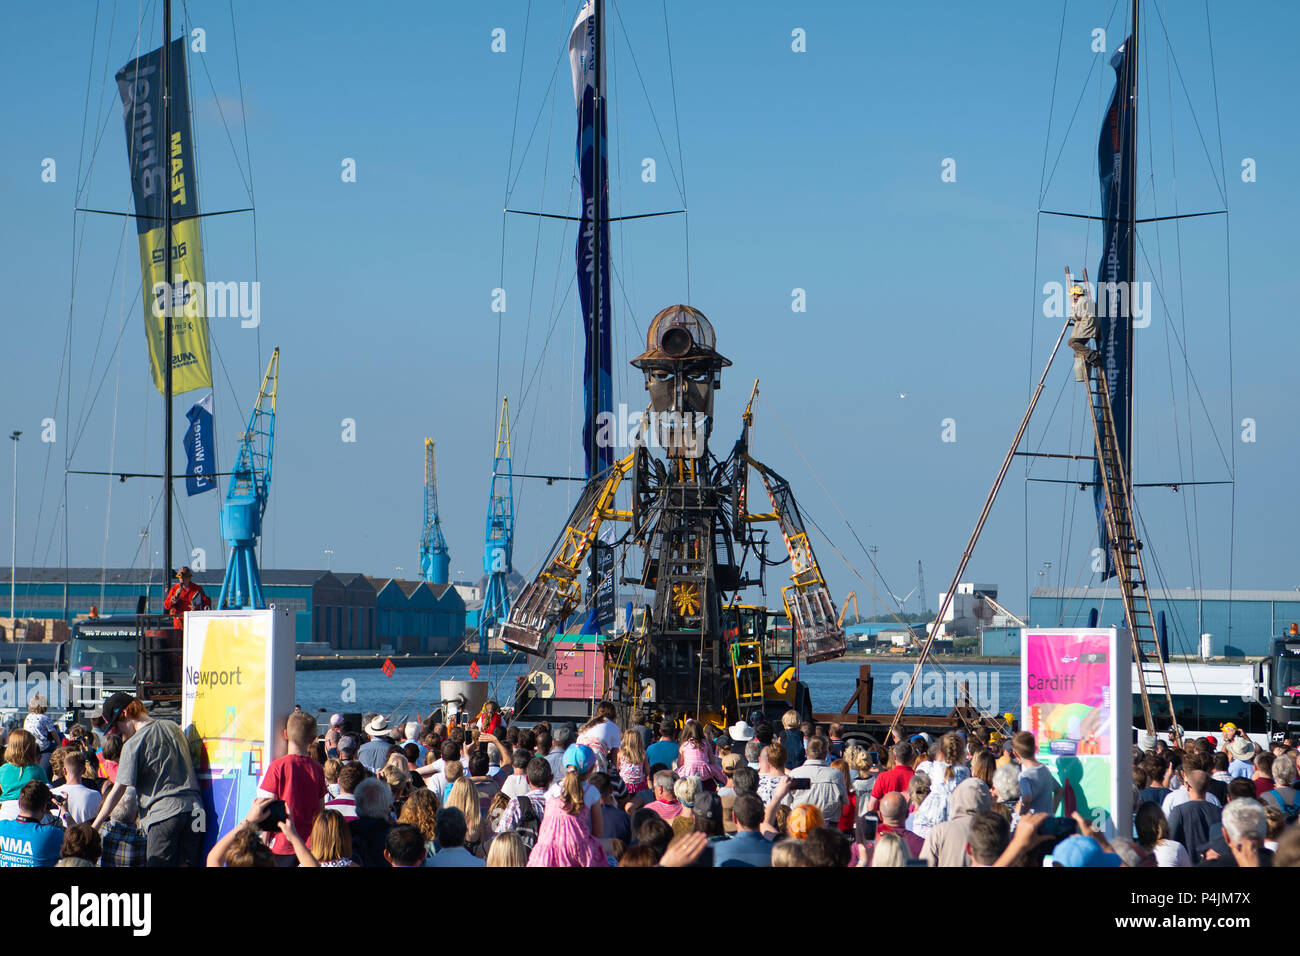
686 599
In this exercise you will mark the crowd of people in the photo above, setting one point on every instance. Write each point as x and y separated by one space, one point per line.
480 792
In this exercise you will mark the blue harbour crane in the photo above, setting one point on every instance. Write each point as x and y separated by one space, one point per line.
435 562
499 536
250 481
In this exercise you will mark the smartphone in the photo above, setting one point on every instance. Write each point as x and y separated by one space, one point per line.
866 826
874 755
799 783
914 862
1059 827
275 815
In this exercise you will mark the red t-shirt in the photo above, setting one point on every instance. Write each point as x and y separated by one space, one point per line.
892 781
849 815
1262 786
299 781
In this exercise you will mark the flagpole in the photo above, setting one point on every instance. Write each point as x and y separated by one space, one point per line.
1131 265
593 341
169 299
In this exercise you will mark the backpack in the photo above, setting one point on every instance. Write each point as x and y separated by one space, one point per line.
528 826
1290 810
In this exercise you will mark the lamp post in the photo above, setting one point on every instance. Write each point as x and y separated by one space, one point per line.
13 537
329 554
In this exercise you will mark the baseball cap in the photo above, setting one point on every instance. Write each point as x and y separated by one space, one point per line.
336 720
348 745
1212 741
731 763
113 708
1228 726
708 806
580 757
1083 851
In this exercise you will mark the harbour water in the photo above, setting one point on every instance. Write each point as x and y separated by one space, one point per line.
414 690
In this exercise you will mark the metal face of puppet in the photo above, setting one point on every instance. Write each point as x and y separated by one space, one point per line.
682 371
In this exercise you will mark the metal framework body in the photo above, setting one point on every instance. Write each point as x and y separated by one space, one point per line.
690 519
246 497
435 562
499 534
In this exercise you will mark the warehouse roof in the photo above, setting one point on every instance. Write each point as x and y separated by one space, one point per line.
1173 594
132 576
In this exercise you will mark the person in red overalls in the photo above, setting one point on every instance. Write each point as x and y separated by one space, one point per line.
185 596
489 718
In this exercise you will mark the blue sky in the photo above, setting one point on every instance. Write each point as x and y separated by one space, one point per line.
817 170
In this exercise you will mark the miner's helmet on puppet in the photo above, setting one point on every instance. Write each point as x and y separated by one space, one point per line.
680 333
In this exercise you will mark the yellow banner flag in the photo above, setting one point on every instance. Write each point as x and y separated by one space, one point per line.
162 171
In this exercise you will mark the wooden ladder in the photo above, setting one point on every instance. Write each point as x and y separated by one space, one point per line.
1126 554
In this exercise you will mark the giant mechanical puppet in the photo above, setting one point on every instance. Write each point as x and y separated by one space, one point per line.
690 518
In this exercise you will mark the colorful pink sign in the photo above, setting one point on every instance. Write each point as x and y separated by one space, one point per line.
1068 681
579 670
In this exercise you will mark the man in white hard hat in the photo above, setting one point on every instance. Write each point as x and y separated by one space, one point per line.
1084 314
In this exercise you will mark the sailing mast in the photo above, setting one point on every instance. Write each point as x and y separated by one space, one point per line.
587 58
593 337
1130 265
169 301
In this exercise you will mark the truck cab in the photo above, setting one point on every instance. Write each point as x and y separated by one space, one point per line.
1277 682
138 654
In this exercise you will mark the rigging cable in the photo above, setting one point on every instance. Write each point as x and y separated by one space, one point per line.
681 163
514 129
1227 241
1193 520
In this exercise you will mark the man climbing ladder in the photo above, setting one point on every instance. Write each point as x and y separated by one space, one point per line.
1084 314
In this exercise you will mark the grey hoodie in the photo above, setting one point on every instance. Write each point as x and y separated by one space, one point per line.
946 844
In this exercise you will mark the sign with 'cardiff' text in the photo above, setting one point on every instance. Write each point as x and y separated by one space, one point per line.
1076 701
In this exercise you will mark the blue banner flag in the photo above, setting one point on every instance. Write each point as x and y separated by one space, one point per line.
593 170
200 459
1115 274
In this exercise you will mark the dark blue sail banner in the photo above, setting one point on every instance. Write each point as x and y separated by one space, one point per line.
594 174
200 457
1115 273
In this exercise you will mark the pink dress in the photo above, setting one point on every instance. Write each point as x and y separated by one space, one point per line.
565 839
693 762
633 775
